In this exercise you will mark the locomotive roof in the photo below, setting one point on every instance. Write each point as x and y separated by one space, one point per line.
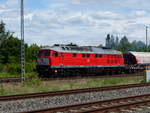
83 49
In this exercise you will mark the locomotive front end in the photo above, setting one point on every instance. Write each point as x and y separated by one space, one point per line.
43 62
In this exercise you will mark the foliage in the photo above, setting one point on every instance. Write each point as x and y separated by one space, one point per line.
124 45
10 47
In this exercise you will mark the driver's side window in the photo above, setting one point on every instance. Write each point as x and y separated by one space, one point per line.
55 54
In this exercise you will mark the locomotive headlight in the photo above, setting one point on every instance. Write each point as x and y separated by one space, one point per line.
43 61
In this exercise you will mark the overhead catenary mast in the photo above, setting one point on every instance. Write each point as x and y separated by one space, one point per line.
146 39
22 43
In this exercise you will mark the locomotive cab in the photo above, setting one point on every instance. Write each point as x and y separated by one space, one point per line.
47 60
44 57
43 62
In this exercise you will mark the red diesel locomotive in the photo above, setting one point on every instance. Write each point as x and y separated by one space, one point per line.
70 60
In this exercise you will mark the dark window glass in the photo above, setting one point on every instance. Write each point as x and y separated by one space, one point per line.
96 55
44 53
88 55
55 54
83 55
100 56
74 54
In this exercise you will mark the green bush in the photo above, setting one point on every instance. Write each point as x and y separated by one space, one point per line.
13 68
30 66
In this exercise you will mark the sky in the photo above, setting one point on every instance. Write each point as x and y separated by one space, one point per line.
84 22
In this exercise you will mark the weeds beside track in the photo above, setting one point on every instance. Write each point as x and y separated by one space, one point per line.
18 79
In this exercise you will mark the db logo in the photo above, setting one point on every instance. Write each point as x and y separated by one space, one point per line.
88 60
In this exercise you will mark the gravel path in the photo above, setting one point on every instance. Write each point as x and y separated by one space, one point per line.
50 102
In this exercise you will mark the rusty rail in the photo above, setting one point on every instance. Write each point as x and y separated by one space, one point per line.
69 92
10 79
18 79
101 106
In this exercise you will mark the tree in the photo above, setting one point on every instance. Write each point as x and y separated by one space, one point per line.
10 47
10 50
71 44
108 40
117 42
4 35
112 42
124 44
32 52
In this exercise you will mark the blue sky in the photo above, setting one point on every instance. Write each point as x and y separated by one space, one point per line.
85 22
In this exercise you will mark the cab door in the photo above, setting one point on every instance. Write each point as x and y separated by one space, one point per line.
61 59
55 58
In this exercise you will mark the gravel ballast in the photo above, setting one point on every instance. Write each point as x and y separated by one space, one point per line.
57 101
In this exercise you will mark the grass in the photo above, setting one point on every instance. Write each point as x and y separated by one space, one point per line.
16 75
36 85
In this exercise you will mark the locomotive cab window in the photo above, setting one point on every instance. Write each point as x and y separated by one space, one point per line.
44 53
55 54
47 53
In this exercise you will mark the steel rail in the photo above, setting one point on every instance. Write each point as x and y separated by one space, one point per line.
10 79
102 108
69 92
18 79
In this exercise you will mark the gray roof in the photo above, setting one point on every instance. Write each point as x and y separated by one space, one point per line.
83 49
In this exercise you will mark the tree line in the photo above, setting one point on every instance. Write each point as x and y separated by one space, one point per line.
10 47
124 45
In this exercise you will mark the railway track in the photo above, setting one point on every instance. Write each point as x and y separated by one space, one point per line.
18 79
10 79
26 101
69 92
120 105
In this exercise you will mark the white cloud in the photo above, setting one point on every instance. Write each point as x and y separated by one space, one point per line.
29 16
140 13
76 1
68 24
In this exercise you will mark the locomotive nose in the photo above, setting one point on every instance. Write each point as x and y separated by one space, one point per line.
43 61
